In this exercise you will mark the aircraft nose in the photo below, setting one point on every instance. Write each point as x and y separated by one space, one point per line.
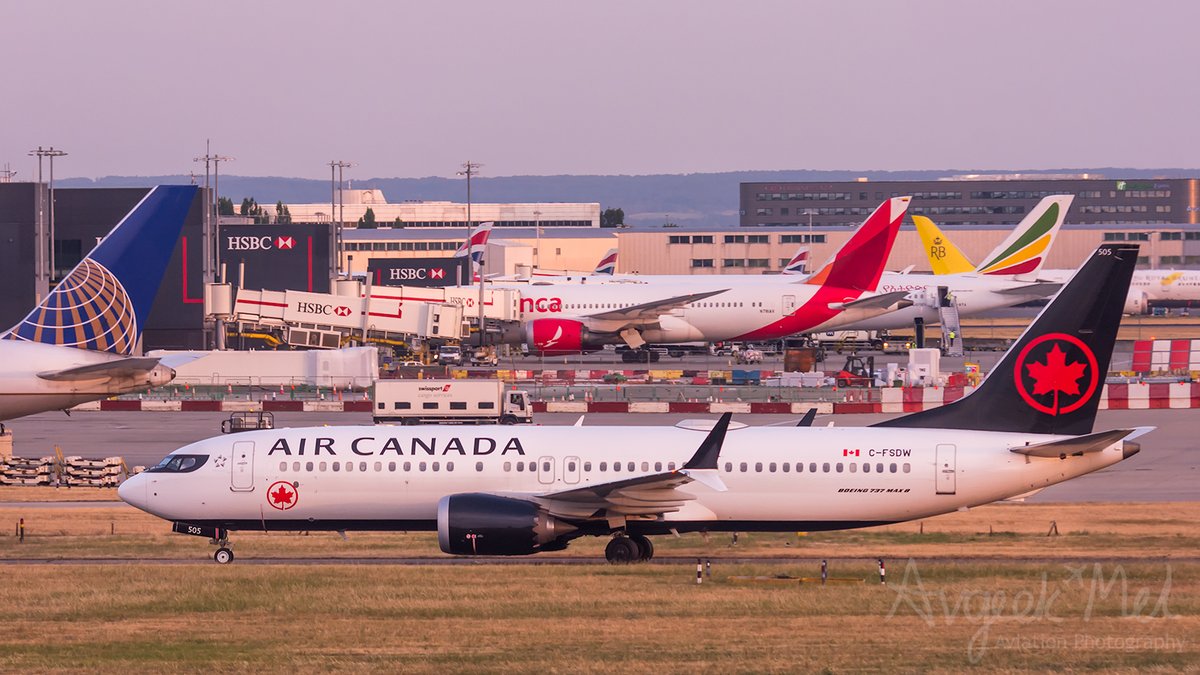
133 492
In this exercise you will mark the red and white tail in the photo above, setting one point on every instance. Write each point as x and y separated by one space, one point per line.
607 264
860 262
478 244
799 262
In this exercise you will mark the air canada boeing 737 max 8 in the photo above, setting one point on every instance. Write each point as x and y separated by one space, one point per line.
504 490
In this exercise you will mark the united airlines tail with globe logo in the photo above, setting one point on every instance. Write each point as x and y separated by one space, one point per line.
103 303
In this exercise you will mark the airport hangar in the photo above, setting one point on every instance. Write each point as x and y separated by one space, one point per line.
570 237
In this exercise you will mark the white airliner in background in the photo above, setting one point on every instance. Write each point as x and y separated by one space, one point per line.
504 490
574 318
1149 288
75 346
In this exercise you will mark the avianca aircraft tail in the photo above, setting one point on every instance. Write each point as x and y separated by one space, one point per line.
608 263
477 246
1050 380
799 262
860 262
1024 251
944 256
103 303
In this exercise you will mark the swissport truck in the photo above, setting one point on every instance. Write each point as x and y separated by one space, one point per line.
450 402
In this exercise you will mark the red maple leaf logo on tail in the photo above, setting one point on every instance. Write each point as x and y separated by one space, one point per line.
1054 376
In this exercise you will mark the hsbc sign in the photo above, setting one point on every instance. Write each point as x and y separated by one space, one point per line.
263 243
419 271
321 309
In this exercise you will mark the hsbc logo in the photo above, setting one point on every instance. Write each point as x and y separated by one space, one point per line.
410 273
322 310
264 243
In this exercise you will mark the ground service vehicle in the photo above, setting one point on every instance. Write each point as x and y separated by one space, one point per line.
450 402
450 355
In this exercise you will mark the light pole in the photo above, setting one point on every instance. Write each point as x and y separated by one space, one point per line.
537 251
216 200
337 207
46 240
211 260
470 169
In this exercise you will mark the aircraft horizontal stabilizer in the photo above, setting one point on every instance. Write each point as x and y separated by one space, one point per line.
116 368
1042 288
1080 445
880 301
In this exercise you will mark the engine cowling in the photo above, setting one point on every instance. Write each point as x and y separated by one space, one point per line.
483 524
558 337
1137 302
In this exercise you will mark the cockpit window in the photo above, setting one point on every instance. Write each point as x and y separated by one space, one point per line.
179 464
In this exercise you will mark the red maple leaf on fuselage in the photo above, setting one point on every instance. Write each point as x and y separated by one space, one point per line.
281 496
1056 375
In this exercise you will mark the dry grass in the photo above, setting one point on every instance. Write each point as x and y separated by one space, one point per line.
489 618
22 493
587 619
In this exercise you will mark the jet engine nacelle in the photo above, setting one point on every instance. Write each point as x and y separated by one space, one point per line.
557 337
483 524
1137 302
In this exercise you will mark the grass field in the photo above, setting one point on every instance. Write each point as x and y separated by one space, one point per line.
1104 614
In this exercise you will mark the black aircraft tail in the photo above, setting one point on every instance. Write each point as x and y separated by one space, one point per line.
1051 379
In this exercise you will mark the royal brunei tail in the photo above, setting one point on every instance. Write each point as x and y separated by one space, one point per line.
102 305
860 262
1051 379
608 263
1024 252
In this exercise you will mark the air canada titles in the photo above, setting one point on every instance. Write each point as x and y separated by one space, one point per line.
371 446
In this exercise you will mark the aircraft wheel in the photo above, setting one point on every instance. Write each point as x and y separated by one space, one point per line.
622 551
223 556
645 546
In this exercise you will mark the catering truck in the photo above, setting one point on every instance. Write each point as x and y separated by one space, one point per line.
450 402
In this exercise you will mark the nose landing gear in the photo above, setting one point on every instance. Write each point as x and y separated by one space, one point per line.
224 555
628 549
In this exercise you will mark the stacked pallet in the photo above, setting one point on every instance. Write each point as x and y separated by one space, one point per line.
26 471
80 472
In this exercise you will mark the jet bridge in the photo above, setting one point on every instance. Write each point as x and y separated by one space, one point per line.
360 313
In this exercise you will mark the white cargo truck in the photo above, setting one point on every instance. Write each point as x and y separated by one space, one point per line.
450 402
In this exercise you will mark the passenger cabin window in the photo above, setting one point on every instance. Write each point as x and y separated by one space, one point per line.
308 466
839 467
825 467
632 466
604 466
587 466
785 467
812 467
479 466
744 467
907 468
866 467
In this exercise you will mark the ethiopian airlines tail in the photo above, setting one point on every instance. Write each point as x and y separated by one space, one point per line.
944 256
1050 380
1026 248
608 263
103 303
859 263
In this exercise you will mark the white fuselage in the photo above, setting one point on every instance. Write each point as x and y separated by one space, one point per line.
1160 286
386 478
768 306
22 392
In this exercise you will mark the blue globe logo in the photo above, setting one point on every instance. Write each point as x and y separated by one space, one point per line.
88 310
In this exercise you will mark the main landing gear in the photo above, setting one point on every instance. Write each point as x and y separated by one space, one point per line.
629 549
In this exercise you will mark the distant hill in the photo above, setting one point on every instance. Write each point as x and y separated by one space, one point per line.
691 200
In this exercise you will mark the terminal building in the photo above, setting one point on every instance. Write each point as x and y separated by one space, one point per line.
1000 199
354 204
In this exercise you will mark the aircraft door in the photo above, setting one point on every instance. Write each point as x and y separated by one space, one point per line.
546 470
789 304
241 478
571 470
945 467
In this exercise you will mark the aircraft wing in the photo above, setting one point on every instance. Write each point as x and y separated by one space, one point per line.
109 369
648 495
1079 445
1042 288
650 311
876 301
